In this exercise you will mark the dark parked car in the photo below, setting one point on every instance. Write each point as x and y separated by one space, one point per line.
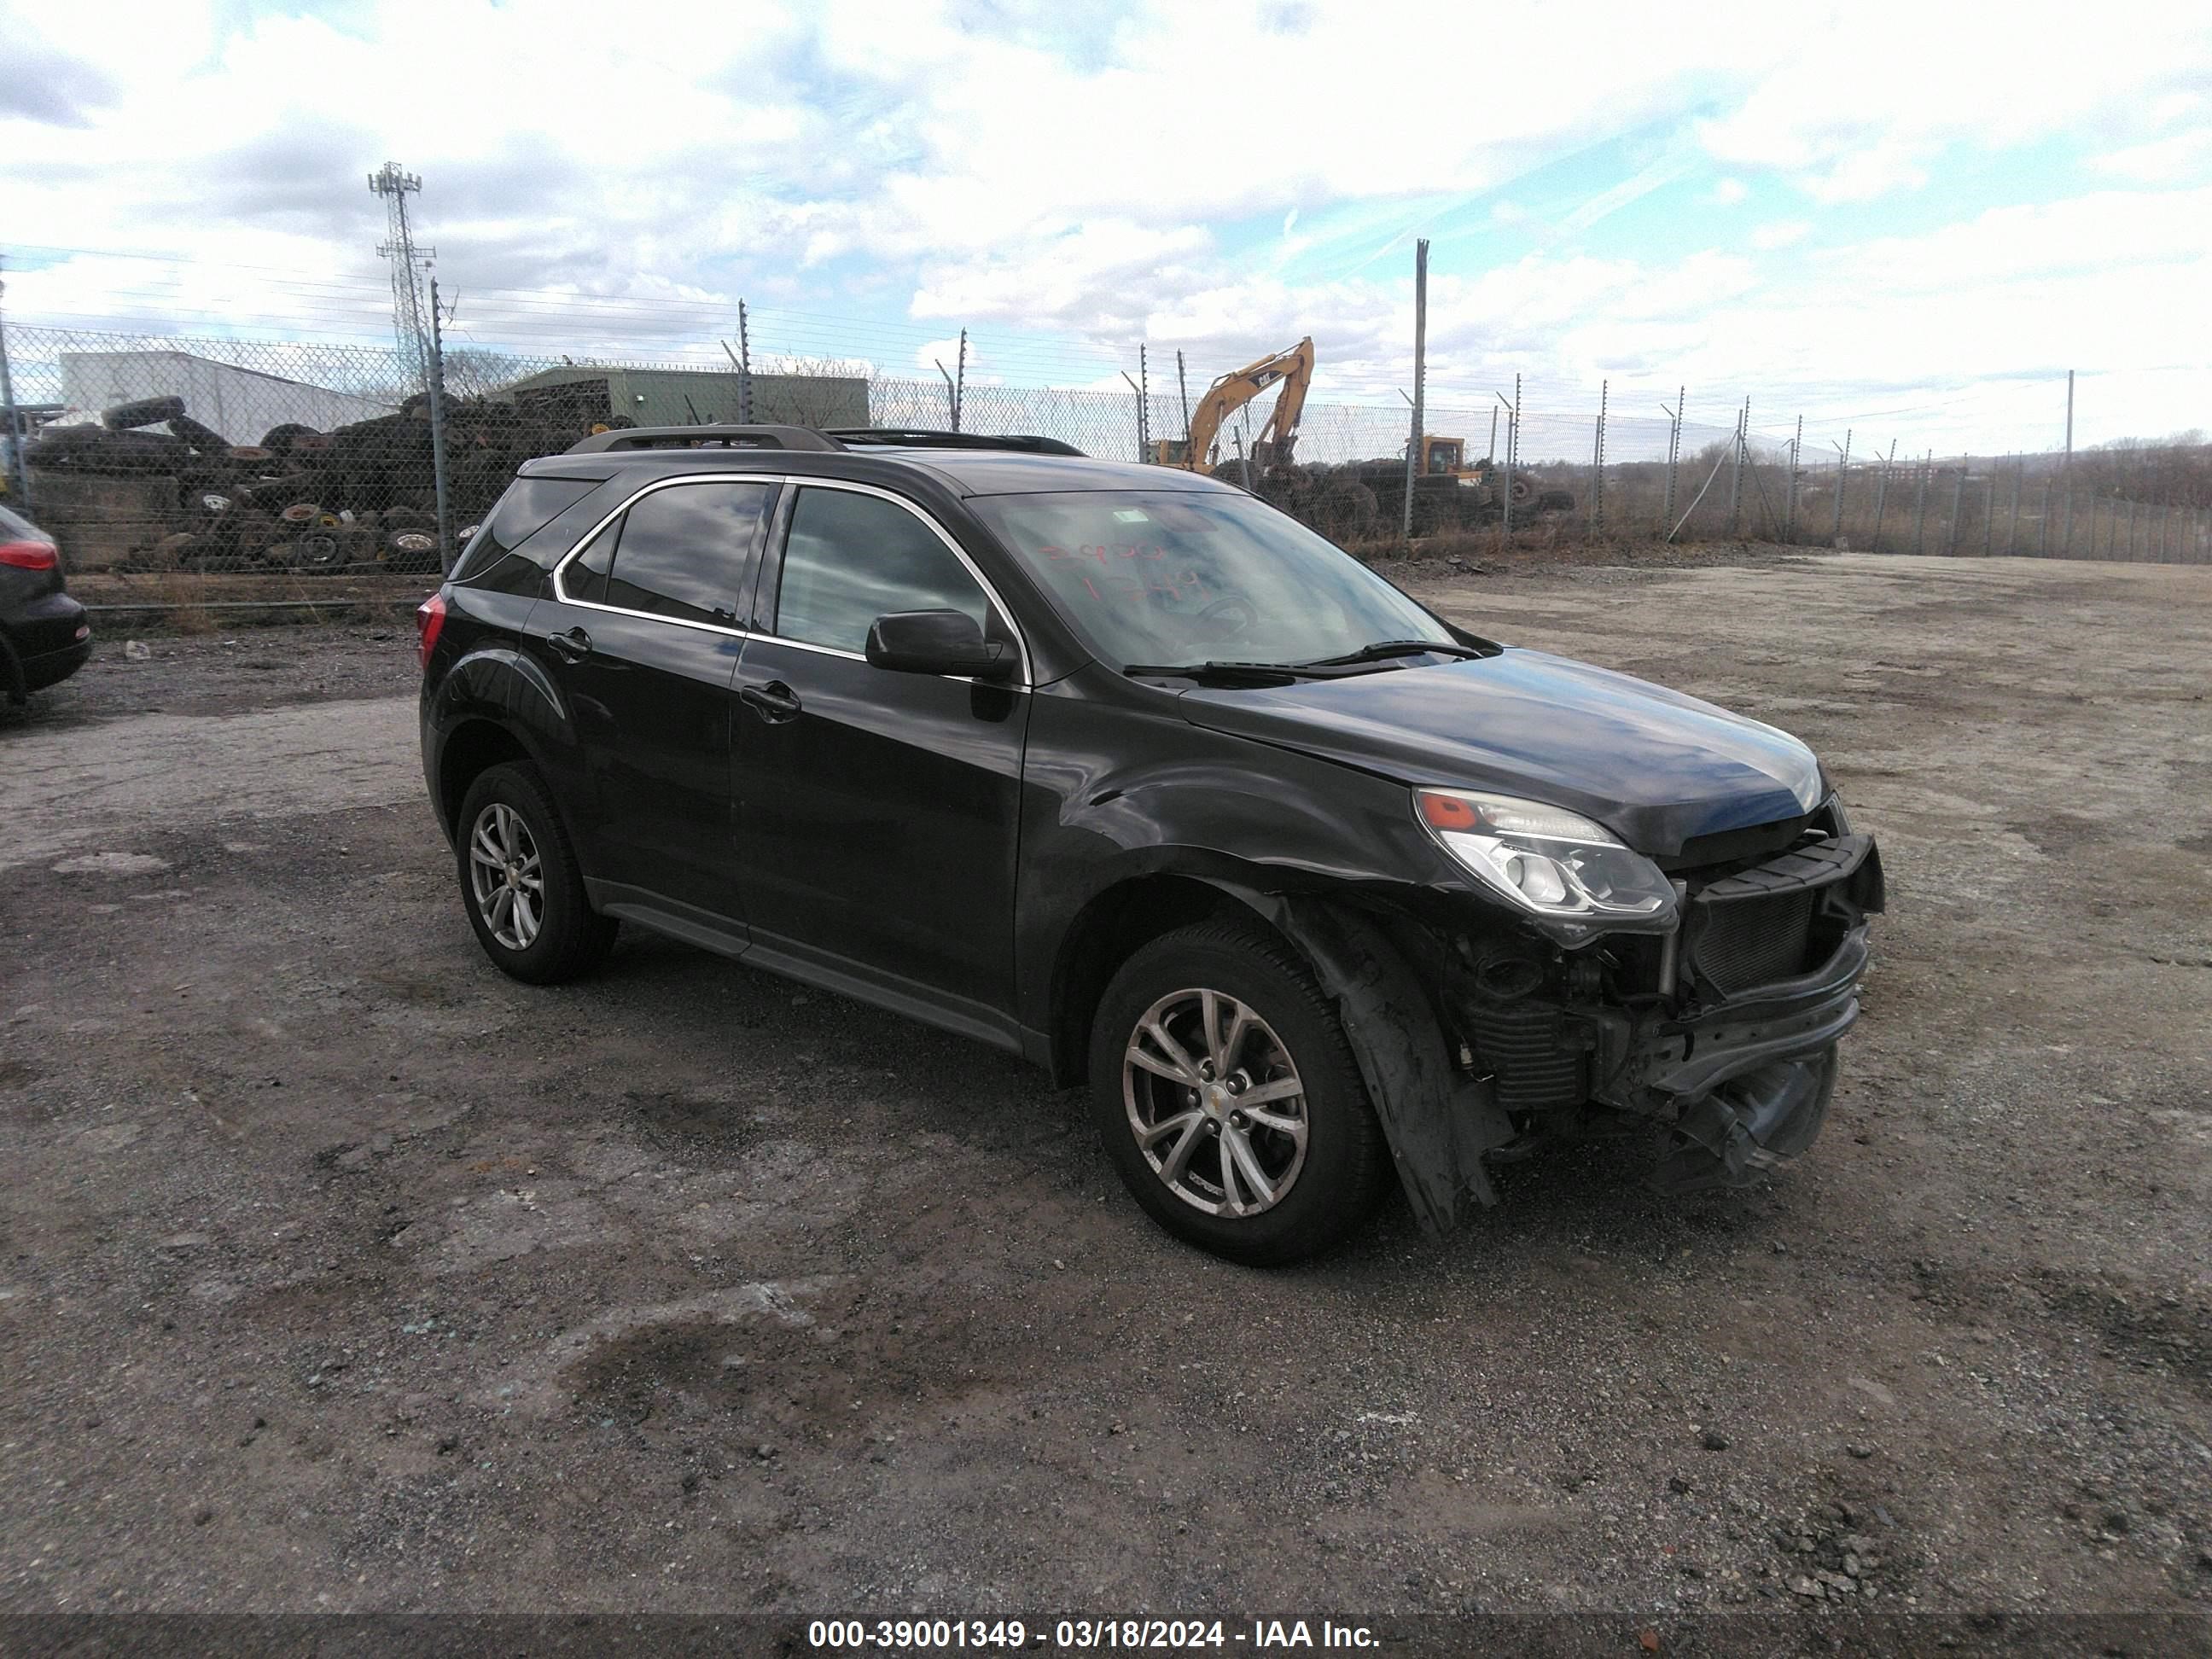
43 637
1122 769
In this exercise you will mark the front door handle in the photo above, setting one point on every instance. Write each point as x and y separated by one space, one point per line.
574 645
775 702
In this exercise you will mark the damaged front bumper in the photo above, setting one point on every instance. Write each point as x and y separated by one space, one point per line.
1718 1040
1746 1087
1735 1065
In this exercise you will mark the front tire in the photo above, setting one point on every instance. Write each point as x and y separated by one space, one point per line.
521 882
1229 1100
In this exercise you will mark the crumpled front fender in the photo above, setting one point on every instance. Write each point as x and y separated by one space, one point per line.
1439 1123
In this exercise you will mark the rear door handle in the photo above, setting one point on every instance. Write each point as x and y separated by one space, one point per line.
574 645
775 702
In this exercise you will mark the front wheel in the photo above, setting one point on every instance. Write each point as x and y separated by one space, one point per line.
521 882
1229 1100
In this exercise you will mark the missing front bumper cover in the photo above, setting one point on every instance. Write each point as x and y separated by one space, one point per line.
1754 1123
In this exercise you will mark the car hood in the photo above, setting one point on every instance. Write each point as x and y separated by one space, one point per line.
1653 766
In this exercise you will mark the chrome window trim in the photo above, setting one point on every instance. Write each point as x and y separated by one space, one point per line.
561 588
788 480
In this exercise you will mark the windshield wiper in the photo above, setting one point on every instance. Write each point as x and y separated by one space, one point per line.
1221 673
1384 649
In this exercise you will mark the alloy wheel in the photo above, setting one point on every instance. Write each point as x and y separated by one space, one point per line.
1214 1100
505 876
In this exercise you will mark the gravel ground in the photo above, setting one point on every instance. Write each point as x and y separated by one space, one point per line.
222 674
344 1274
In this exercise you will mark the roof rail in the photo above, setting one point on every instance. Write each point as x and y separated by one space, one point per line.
694 437
925 438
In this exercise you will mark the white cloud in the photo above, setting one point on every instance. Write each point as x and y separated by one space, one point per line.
1865 174
1666 170
941 164
1869 95
2162 160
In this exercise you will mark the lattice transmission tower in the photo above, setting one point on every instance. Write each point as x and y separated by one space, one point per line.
411 324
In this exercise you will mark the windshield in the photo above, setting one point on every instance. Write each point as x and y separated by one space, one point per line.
1183 577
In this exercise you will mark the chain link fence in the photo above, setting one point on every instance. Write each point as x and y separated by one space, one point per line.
166 454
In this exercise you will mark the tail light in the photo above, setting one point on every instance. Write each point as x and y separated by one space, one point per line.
28 556
429 622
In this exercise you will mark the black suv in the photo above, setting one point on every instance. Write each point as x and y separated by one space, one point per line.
1122 769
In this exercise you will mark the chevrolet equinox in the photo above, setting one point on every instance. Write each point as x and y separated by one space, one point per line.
1124 770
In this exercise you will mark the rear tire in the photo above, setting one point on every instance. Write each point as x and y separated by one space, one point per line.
1271 1183
509 837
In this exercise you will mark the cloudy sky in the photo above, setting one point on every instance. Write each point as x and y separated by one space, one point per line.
1910 220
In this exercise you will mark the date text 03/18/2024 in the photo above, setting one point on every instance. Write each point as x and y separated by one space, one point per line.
1083 1635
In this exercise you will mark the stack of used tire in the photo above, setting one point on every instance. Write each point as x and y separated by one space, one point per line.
363 494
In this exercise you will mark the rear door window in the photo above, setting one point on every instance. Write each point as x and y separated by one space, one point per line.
685 551
584 578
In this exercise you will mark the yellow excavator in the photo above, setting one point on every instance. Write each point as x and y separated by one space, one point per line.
1292 370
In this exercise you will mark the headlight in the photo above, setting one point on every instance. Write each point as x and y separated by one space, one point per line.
1553 862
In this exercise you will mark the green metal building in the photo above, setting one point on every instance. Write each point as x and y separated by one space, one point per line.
589 393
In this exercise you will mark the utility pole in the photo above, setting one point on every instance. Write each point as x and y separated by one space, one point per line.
1843 472
437 389
1183 395
744 369
1597 463
1797 470
1512 452
1920 505
2069 420
1414 459
956 389
1674 455
1881 492
1735 471
1143 400
408 262
19 471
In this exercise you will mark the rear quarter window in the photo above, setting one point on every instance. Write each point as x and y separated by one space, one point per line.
529 505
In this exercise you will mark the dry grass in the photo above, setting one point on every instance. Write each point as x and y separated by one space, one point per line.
191 602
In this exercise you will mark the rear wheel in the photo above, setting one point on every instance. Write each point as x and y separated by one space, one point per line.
521 882
1229 1100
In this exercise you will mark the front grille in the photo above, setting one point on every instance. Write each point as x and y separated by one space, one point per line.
1755 941
1750 928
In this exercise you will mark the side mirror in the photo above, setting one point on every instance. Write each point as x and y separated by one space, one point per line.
937 642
